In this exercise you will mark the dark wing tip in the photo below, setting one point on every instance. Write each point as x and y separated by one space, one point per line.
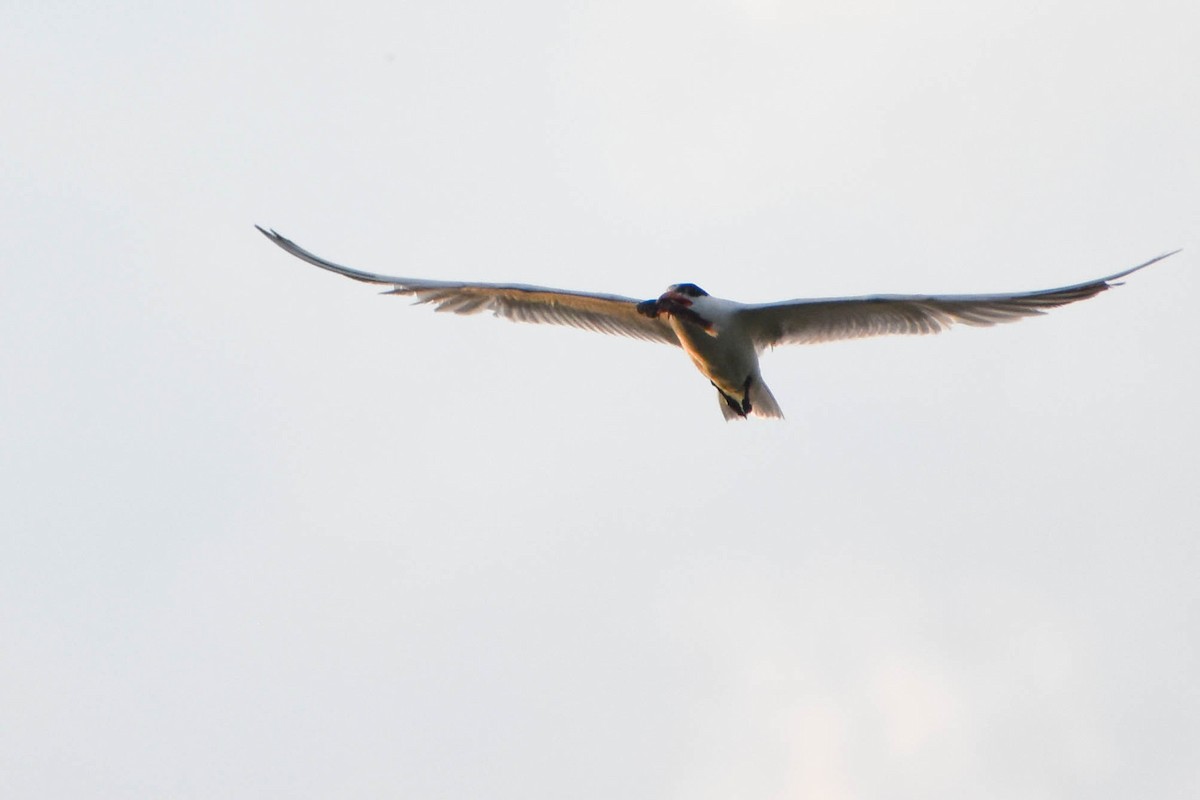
274 236
1111 280
299 252
1082 291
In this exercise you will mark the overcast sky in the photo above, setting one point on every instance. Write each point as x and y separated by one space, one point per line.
267 534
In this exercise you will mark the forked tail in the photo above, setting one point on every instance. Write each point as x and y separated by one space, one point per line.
757 400
762 402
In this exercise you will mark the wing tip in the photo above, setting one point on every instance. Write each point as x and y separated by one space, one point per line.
1115 280
274 235
278 238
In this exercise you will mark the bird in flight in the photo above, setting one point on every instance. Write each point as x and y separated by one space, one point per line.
722 337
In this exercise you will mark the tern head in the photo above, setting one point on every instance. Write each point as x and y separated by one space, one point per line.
687 290
678 297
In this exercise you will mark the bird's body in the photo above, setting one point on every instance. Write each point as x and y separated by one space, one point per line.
713 334
724 338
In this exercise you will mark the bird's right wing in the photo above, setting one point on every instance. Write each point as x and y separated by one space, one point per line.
604 313
824 320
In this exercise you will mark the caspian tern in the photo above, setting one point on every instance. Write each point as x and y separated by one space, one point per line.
723 337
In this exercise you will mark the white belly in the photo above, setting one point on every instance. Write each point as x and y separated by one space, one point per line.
726 359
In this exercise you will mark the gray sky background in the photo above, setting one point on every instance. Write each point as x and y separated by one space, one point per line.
268 534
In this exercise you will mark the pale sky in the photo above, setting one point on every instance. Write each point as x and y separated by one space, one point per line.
267 534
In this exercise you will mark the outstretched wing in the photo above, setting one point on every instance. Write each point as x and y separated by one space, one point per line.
604 313
824 320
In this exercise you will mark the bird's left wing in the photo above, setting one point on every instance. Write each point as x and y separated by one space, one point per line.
824 320
604 313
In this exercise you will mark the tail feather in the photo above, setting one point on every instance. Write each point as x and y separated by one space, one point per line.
727 409
762 402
